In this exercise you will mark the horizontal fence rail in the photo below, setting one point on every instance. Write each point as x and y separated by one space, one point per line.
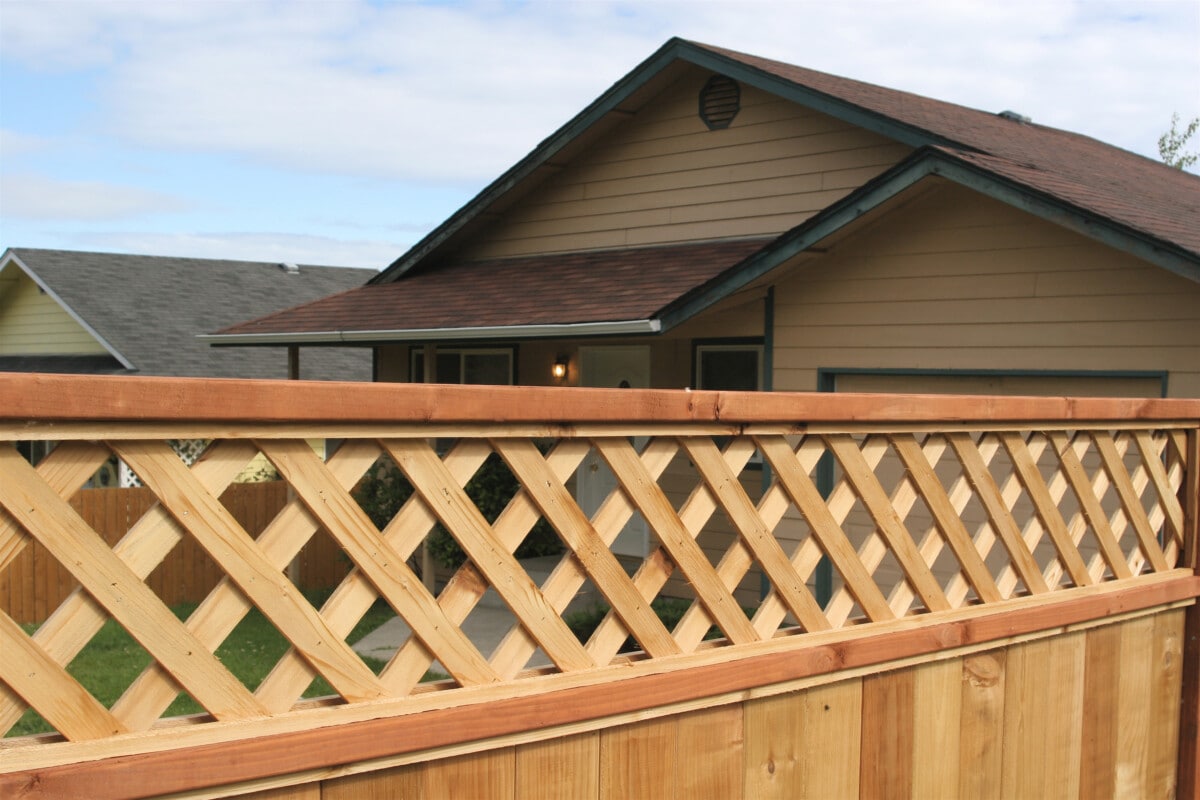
772 520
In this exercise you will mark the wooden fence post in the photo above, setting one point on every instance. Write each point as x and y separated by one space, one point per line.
1189 721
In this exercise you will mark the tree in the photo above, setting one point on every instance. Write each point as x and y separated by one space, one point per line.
1171 144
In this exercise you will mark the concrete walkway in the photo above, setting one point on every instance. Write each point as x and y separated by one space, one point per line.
485 626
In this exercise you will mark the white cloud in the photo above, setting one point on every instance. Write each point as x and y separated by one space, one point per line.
38 197
429 98
13 144
459 92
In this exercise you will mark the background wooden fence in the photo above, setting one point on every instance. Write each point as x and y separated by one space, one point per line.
35 584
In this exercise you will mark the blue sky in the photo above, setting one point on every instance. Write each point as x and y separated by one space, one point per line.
341 131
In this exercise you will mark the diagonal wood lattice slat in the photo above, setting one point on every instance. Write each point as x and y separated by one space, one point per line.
913 520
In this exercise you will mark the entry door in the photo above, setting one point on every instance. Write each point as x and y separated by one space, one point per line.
623 367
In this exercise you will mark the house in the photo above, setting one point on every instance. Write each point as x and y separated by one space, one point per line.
721 221
718 220
104 313
107 313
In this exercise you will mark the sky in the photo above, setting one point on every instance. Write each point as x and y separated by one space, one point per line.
342 131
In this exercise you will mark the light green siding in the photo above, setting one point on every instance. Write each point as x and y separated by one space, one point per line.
33 323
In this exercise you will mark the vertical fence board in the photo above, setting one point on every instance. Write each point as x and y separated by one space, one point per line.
1135 705
937 711
981 730
774 757
887 746
407 782
710 753
1043 719
487 775
638 761
1101 689
559 768
832 729
1166 694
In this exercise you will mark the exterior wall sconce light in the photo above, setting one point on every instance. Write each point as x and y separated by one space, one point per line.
559 370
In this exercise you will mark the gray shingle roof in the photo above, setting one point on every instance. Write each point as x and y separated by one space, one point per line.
150 309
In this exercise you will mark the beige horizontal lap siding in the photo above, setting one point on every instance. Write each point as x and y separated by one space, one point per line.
32 323
957 281
663 177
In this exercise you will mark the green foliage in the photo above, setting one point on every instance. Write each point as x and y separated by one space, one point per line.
669 609
112 659
1171 144
385 490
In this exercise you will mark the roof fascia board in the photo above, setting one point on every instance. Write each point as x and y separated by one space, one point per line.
926 163
539 156
11 257
568 330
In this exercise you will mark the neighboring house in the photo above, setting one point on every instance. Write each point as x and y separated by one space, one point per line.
718 220
108 313
103 313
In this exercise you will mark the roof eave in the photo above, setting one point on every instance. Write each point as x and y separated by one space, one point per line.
923 163
632 327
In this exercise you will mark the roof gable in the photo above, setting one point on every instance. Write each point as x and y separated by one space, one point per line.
36 321
1109 184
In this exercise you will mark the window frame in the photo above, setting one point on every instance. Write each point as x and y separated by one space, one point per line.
753 344
416 375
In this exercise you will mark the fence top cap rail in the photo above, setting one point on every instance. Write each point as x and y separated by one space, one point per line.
72 398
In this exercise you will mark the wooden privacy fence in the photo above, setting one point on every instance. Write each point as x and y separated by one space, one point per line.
1031 559
35 583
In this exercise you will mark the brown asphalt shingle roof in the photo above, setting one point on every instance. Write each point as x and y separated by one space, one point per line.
596 286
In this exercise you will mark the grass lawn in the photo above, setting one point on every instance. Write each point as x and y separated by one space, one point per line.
112 660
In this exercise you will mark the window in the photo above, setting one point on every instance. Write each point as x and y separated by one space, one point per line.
466 365
729 365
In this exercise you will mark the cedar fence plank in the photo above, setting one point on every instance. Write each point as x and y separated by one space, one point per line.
567 767
936 729
981 733
886 754
639 761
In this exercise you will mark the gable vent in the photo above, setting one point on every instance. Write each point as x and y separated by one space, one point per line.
720 101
